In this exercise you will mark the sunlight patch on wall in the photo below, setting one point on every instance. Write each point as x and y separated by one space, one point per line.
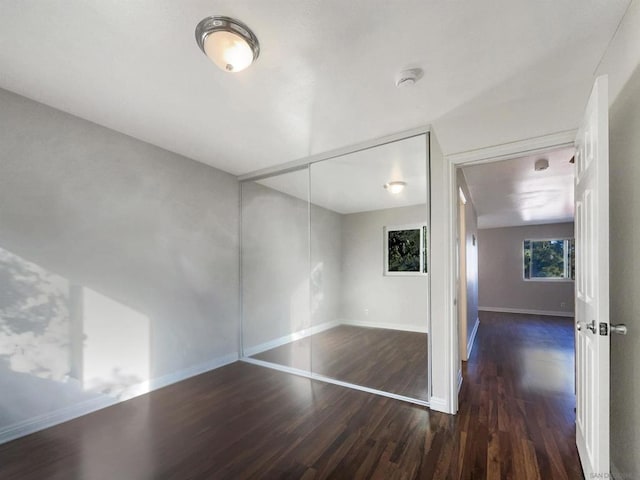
116 346
34 319
67 335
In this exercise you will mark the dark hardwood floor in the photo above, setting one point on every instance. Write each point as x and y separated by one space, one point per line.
390 360
243 421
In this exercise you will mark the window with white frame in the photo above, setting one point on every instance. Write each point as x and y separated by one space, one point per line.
405 250
549 259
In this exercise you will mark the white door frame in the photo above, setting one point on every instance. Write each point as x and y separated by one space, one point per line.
505 151
462 279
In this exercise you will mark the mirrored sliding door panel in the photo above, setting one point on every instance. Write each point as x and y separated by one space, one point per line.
369 268
275 270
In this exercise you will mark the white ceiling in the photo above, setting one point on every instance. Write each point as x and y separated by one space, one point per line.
325 76
511 192
355 182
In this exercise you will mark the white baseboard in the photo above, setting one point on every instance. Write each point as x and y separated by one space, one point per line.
526 311
175 377
472 339
40 422
406 327
292 337
439 405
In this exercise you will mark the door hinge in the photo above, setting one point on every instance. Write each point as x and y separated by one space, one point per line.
604 329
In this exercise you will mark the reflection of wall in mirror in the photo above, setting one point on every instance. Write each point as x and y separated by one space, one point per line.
345 274
371 298
286 294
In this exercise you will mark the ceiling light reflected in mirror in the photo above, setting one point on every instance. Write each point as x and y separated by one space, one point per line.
395 187
355 182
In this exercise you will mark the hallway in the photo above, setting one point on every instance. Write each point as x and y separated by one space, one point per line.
517 401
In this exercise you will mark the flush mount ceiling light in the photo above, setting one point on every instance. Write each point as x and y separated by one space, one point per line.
541 164
395 187
228 43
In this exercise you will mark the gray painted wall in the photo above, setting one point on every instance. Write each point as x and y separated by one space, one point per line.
369 297
471 242
625 277
118 263
501 284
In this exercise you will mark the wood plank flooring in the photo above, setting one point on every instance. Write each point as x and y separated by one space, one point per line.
390 360
516 421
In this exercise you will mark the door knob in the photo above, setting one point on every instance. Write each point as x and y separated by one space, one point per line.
620 329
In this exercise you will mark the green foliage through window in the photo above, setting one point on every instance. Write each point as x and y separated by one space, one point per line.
549 259
407 250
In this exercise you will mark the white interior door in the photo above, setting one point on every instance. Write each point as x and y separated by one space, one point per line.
592 284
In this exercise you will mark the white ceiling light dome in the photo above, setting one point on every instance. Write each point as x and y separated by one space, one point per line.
395 187
228 43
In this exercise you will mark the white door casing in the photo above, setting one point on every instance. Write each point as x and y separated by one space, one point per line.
592 284
462 281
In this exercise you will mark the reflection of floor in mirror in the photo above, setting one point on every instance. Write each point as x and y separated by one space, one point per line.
391 360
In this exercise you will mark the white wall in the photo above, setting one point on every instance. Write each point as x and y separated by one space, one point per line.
442 339
369 297
622 63
471 242
500 271
484 122
134 247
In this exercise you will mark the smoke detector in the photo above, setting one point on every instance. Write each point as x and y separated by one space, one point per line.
408 77
541 164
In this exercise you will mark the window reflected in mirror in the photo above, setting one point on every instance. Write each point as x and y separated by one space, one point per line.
406 250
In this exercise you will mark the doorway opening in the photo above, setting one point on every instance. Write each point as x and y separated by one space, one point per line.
516 250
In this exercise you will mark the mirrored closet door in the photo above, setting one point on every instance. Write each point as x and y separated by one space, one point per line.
369 268
335 281
275 270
